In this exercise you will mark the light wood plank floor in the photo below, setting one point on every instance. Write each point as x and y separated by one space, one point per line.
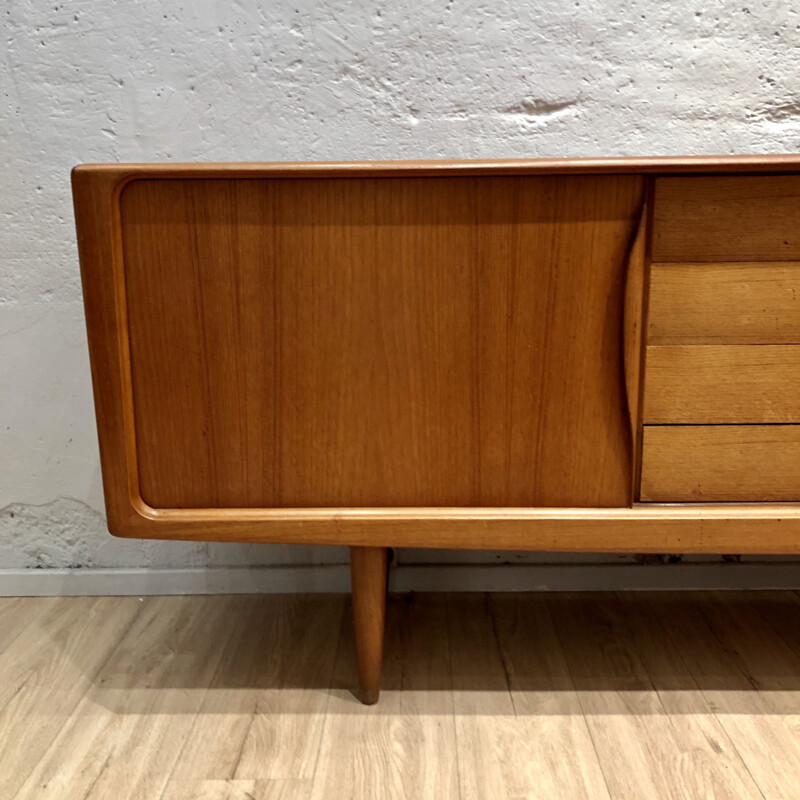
640 695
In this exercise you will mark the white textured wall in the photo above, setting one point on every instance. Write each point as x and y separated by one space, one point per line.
118 80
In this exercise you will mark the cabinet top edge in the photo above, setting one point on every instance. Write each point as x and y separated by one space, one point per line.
538 166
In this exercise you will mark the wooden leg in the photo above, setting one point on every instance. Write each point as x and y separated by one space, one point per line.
368 581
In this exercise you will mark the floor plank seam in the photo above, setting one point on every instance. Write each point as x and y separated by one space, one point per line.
490 615
326 712
204 692
712 708
78 700
581 703
448 628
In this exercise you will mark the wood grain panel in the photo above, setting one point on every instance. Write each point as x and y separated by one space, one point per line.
724 303
727 218
362 342
722 384
743 463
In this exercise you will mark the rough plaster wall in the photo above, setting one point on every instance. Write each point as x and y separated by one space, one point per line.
146 81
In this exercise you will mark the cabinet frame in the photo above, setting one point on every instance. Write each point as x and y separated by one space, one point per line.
708 528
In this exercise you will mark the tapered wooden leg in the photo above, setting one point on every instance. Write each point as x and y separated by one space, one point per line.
368 581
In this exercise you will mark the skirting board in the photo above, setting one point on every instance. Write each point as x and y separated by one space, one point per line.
410 578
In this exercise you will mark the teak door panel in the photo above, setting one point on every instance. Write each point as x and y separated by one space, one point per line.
376 343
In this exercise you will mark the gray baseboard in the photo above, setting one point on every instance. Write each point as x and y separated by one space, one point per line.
404 578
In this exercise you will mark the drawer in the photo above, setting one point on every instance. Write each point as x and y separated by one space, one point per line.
728 218
721 463
695 384
724 303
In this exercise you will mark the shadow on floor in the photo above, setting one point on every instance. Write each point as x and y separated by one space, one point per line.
727 652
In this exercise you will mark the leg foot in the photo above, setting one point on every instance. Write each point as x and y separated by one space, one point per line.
368 581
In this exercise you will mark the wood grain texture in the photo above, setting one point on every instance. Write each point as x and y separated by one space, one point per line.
405 746
724 303
634 314
96 188
500 746
762 528
658 165
548 735
651 741
710 763
730 672
47 671
368 566
719 463
96 200
727 218
636 696
125 735
262 717
17 614
698 384
379 343
236 790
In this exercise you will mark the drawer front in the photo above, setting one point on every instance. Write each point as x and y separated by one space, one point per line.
729 218
721 463
696 384
724 303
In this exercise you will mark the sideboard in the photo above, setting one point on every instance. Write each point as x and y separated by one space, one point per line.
559 355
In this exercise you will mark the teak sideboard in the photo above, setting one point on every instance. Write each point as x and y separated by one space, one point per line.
592 355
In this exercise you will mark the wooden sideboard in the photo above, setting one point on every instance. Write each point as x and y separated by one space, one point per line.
590 355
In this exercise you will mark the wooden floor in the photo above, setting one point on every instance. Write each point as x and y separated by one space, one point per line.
641 695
